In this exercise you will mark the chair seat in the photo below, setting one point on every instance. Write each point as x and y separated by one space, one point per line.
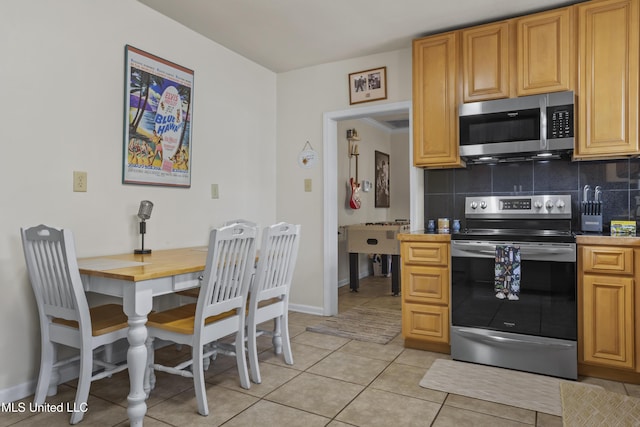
269 301
182 319
195 292
191 293
104 319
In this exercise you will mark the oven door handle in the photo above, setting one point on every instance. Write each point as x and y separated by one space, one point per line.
530 252
504 340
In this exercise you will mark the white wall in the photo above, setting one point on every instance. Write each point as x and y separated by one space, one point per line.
400 157
303 97
63 73
372 138
62 70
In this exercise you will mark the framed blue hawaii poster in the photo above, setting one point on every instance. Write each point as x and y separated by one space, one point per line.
158 112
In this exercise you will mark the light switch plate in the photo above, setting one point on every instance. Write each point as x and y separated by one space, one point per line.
307 185
214 191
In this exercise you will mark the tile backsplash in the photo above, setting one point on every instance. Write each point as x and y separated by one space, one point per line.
446 189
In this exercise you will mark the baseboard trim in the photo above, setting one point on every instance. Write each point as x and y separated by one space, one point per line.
307 309
67 373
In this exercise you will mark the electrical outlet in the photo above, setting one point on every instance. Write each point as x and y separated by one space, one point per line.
214 191
307 185
79 181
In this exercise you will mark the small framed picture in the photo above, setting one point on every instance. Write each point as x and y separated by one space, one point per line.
368 85
383 196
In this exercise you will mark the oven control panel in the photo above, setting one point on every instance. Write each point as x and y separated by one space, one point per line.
557 206
514 204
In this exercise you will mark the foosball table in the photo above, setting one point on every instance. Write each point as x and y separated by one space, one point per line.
376 238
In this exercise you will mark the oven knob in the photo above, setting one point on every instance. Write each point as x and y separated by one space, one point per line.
560 204
549 205
474 205
483 204
537 204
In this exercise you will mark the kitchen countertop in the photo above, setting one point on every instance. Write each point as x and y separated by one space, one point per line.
420 235
603 239
581 239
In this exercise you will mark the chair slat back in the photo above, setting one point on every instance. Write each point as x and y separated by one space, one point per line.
278 254
227 277
53 271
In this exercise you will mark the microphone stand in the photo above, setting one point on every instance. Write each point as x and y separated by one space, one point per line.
143 231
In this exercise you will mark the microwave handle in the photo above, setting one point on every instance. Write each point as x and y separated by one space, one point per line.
544 143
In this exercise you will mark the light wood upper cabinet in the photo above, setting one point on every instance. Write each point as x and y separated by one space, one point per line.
608 56
485 62
435 101
545 52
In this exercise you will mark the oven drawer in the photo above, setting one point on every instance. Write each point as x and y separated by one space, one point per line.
425 253
425 322
607 259
425 284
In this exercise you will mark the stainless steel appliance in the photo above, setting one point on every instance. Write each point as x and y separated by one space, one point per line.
376 238
536 330
535 126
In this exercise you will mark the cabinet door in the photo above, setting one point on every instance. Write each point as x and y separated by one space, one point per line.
545 52
435 115
427 323
428 285
607 259
425 253
608 55
485 63
608 320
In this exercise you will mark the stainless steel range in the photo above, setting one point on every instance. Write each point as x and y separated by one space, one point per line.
513 288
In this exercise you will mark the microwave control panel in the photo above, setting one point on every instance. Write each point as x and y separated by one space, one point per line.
560 121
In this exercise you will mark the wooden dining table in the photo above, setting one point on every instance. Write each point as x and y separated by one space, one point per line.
137 279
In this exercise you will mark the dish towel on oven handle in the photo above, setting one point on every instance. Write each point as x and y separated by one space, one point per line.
507 272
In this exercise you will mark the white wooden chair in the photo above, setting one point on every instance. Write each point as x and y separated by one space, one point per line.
241 221
193 293
65 316
269 298
220 310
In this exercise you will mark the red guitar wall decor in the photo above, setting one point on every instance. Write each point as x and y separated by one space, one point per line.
353 186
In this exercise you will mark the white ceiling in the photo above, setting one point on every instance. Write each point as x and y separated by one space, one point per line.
284 35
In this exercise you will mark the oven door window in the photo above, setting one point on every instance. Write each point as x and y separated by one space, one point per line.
546 305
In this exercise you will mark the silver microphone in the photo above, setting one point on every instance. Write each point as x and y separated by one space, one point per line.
144 212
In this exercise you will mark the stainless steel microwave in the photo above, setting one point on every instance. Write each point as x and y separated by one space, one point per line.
524 127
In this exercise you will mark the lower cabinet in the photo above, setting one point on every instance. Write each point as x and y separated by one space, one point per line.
425 294
425 322
608 322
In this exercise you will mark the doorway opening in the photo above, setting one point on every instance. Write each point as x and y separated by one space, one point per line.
330 171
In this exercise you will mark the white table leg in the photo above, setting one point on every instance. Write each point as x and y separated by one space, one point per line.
137 305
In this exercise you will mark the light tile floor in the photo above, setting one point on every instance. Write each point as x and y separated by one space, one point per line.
333 382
